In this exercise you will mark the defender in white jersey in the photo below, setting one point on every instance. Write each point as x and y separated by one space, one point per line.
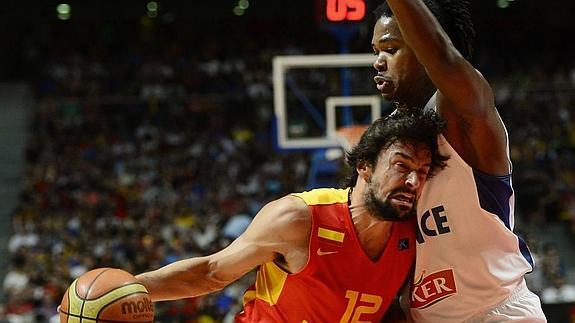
470 266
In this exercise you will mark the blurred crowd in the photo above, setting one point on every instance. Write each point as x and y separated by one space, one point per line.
139 158
537 105
137 163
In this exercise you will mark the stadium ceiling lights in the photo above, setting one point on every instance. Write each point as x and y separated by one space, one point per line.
241 7
504 4
64 11
152 8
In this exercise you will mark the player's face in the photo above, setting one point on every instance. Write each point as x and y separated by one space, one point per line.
396 181
400 76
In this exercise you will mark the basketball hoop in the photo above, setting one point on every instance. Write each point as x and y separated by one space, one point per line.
349 136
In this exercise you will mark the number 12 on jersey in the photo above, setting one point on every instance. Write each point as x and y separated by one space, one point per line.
369 304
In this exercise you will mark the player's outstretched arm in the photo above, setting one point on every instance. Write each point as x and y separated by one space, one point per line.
465 98
281 228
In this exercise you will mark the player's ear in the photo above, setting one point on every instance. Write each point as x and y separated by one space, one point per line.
363 170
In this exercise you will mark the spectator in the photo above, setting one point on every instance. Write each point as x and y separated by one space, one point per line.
559 292
551 263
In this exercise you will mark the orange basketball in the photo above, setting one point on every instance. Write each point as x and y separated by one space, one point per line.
106 295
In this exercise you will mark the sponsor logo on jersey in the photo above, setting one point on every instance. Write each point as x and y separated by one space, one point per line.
325 253
432 223
433 288
402 244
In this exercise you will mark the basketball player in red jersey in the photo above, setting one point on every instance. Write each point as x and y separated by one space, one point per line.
327 255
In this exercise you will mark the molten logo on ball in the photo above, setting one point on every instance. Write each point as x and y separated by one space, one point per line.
142 307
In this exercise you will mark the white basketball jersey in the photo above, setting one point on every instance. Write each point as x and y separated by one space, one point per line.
468 258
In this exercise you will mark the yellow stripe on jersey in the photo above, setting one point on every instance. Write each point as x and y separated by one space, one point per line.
270 282
330 234
249 296
324 196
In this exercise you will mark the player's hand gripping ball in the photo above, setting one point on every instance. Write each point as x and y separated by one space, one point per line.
106 295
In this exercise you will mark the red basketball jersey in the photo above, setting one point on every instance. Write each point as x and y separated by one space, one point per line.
340 283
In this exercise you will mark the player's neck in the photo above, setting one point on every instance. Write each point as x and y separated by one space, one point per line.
372 232
404 107
418 104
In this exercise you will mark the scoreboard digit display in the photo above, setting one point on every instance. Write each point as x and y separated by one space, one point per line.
341 11
344 10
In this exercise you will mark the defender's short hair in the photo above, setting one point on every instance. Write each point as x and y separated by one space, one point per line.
453 16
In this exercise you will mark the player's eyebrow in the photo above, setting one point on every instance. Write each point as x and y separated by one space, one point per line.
386 38
404 155
409 157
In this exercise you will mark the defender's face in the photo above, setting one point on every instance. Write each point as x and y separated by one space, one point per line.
400 77
397 180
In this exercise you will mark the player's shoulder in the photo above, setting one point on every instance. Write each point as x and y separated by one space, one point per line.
323 196
285 212
287 218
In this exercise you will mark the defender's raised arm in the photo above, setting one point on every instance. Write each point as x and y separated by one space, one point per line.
464 97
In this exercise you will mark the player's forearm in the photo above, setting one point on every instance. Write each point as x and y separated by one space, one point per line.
423 33
469 94
182 279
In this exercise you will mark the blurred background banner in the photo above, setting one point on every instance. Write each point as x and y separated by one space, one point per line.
137 133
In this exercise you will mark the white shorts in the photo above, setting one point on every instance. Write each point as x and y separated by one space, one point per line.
522 306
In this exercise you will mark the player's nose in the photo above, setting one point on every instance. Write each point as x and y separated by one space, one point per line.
412 180
380 63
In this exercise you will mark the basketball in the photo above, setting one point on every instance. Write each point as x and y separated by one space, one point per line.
106 295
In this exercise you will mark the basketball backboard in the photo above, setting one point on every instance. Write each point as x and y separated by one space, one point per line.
314 95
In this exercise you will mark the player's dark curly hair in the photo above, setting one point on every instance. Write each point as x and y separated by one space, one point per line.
409 127
453 15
